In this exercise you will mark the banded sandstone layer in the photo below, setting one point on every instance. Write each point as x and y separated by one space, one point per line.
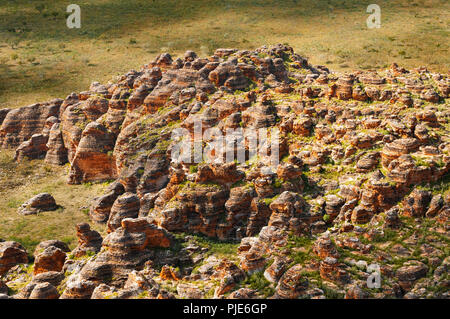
363 179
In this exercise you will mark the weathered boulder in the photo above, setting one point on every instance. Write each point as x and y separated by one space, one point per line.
331 269
51 259
56 151
75 118
238 205
368 162
437 202
169 273
397 148
44 291
125 206
416 204
101 206
292 284
356 292
229 275
252 255
35 147
49 243
11 254
288 212
361 215
171 83
138 96
3 113
259 216
78 289
229 75
219 173
189 291
410 273
392 218
128 247
196 208
40 203
333 205
344 87
89 241
243 293
274 272
53 277
324 247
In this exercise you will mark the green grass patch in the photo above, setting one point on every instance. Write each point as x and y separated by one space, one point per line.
258 282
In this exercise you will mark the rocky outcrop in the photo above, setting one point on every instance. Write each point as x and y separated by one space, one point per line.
252 253
89 241
40 203
324 247
93 160
44 291
125 206
197 208
363 164
50 243
356 292
229 275
34 148
331 269
416 204
81 289
78 113
51 259
436 204
172 82
42 286
101 206
21 124
410 273
169 273
397 148
56 151
289 213
11 254
137 284
292 284
128 247
274 272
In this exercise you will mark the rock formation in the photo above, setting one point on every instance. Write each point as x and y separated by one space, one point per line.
40 203
11 254
361 179
21 124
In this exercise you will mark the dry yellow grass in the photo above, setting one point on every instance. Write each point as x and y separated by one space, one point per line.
38 64
19 182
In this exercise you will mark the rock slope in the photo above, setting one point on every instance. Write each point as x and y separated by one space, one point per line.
362 182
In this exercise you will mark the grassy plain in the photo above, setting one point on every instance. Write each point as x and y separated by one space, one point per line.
21 181
40 58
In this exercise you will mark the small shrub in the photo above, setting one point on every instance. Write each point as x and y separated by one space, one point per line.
258 282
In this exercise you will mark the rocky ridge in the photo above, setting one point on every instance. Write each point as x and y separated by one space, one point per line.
363 179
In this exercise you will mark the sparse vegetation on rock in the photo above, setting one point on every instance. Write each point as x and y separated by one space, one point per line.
363 179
